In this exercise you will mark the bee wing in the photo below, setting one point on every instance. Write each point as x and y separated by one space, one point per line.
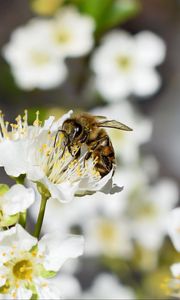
101 118
114 124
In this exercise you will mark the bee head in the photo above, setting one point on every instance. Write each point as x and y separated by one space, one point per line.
73 129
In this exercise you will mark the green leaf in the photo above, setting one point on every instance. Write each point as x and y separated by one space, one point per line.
109 13
3 189
95 8
120 11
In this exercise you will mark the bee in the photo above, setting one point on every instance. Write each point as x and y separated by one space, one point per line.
86 129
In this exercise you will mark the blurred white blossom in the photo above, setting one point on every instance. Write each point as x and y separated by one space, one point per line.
31 56
108 236
148 206
125 64
127 144
27 265
173 226
101 220
107 286
172 286
71 33
36 51
13 201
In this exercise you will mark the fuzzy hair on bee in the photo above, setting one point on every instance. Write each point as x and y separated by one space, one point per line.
86 129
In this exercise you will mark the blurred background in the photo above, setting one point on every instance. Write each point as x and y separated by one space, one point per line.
120 43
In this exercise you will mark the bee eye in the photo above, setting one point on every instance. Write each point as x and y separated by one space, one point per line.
78 130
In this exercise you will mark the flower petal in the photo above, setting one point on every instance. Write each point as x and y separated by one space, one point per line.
63 192
173 227
56 125
113 87
145 82
3 272
18 237
47 289
57 249
175 269
13 155
23 293
151 49
17 199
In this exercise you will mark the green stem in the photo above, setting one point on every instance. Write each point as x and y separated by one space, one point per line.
40 216
20 179
22 219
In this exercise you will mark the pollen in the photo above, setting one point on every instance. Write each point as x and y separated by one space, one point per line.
23 270
13 131
37 122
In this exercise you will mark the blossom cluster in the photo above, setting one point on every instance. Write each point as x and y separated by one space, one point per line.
123 65
43 168
125 232
37 51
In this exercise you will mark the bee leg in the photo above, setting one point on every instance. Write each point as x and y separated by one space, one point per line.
77 154
87 156
65 134
98 142
65 143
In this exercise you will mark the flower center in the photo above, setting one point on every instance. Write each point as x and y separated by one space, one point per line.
39 58
124 62
139 208
107 231
60 165
62 36
23 270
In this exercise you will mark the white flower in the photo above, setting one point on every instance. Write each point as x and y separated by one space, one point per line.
127 144
71 33
99 217
108 236
69 285
13 201
32 58
174 227
107 286
125 64
41 154
175 269
147 206
79 211
173 285
26 264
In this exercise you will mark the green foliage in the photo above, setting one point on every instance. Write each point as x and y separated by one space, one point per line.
3 189
109 13
121 11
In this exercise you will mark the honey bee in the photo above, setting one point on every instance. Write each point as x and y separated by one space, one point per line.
89 130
